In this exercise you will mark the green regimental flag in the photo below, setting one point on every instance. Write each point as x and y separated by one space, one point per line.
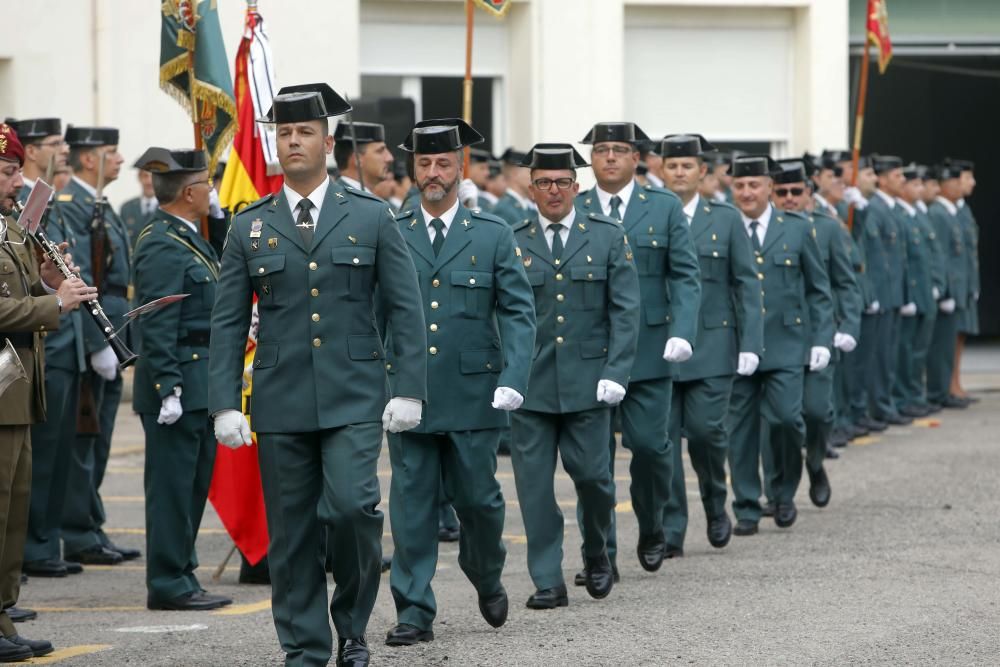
194 70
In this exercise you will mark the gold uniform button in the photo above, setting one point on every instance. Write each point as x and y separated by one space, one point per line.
760 260
388 367
472 281
725 323
313 266
435 283
433 350
560 297
195 357
157 386
314 291
788 262
559 340
760 276
655 244
260 270
317 342
41 328
715 254
489 365
560 319
434 327
356 260
434 305
590 276
558 276
315 317
798 320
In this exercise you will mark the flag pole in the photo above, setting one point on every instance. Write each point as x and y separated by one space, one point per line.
467 85
859 121
196 122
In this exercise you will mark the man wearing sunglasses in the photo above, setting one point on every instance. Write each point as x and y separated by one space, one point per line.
670 293
792 193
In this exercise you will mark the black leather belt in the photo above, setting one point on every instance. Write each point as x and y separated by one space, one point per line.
19 339
114 290
196 339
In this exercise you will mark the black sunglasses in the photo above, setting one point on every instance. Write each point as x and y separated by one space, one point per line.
784 192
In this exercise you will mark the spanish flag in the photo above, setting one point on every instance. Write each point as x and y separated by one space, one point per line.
878 32
251 173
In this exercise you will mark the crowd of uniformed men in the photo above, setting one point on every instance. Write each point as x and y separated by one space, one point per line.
763 310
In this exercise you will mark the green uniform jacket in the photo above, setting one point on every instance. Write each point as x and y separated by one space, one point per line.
924 270
887 221
171 258
869 240
669 278
587 309
798 309
77 207
970 231
834 243
132 217
511 210
319 361
480 319
730 319
948 229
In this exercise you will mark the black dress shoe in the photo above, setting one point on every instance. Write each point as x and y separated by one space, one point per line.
196 601
446 534
970 399
819 487
720 529
872 424
911 411
127 553
71 568
839 438
745 527
95 556
651 551
44 568
38 647
405 634
898 420
11 652
856 431
494 608
353 652
784 514
20 614
933 408
386 563
954 403
548 598
580 579
831 453
767 509
600 577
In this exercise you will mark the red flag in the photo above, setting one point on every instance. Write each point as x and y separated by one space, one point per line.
878 32
236 491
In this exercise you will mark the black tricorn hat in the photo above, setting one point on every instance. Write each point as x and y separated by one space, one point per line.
512 156
553 156
164 161
684 145
946 171
364 133
883 163
793 170
305 102
914 171
479 155
496 167
440 135
626 132
829 158
753 165
91 137
30 129
964 165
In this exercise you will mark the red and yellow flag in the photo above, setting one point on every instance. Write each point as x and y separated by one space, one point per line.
878 32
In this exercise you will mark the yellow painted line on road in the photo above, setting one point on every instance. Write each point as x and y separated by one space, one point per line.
240 609
123 499
516 539
60 610
68 652
864 441
128 451
927 422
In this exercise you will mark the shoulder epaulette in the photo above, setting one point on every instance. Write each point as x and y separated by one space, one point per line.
791 215
479 214
720 204
363 193
658 191
257 204
599 217
403 215
518 226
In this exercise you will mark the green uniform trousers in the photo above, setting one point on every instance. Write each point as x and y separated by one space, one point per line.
884 367
817 410
644 413
860 366
15 486
941 356
52 444
178 472
465 464
774 397
914 342
83 512
310 480
698 411
580 440
842 417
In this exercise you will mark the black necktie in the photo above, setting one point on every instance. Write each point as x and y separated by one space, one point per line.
753 235
438 225
305 222
615 203
557 244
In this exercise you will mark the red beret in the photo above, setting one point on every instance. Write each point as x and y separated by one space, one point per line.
10 146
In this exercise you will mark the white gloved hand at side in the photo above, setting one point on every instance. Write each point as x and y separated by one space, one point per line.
401 414
610 392
170 409
854 197
214 205
947 306
747 363
677 350
873 308
935 293
505 398
819 358
844 342
908 310
468 193
232 429
105 363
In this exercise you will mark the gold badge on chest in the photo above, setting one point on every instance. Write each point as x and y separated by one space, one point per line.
272 243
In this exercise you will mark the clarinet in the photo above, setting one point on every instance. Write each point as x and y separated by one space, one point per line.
126 357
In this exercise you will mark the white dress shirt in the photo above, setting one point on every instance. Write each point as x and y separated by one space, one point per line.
147 204
922 206
92 191
889 201
315 197
691 207
605 198
352 183
447 218
566 224
910 211
764 220
524 202
949 206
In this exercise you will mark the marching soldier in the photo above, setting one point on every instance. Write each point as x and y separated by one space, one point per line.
27 310
136 212
496 184
479 174
171 376
373 156
481 331
730 333
798 332
587 306
314 254
670 293
515 206
103 251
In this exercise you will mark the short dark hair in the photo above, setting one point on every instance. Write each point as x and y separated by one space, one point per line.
343 153
168 187
75 153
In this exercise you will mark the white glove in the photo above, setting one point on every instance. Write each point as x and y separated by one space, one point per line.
105 363
505 398
214 205
677 349
844 342
171 410
401 414
232 429
873 308
610 392
908 310
819 358
935 293
468 193
854 197
747 363
947 306
975 297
